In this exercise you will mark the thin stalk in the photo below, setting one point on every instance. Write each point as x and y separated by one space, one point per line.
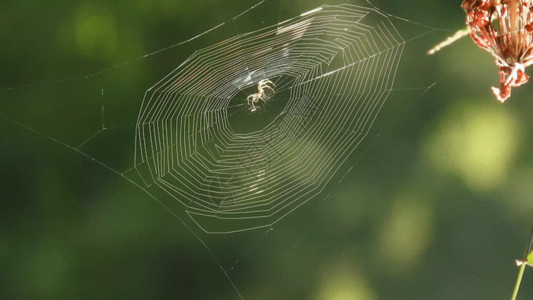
518 281
450 40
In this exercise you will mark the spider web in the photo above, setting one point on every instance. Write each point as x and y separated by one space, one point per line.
333 67
191 143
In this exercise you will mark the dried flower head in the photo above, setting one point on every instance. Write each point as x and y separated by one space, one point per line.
505 29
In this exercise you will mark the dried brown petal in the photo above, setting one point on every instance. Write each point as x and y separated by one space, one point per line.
510 42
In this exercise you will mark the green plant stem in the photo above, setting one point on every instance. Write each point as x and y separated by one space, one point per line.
518 280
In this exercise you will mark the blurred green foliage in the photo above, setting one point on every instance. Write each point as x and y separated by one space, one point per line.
436 206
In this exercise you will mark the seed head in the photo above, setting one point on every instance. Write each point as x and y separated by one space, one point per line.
504 28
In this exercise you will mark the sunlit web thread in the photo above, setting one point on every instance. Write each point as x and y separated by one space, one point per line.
333 68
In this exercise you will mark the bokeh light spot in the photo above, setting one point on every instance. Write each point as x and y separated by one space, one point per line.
342 280
406 233
476 143
96 34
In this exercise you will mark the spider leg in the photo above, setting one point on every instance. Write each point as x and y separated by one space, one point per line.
266 82
268 88
251 100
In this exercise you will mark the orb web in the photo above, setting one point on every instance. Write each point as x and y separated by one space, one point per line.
197 139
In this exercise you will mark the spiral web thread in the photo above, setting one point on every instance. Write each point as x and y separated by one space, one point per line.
333 68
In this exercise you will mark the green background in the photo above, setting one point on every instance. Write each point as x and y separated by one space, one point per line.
437 206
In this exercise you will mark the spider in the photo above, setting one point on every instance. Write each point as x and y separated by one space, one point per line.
504 28
265 91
